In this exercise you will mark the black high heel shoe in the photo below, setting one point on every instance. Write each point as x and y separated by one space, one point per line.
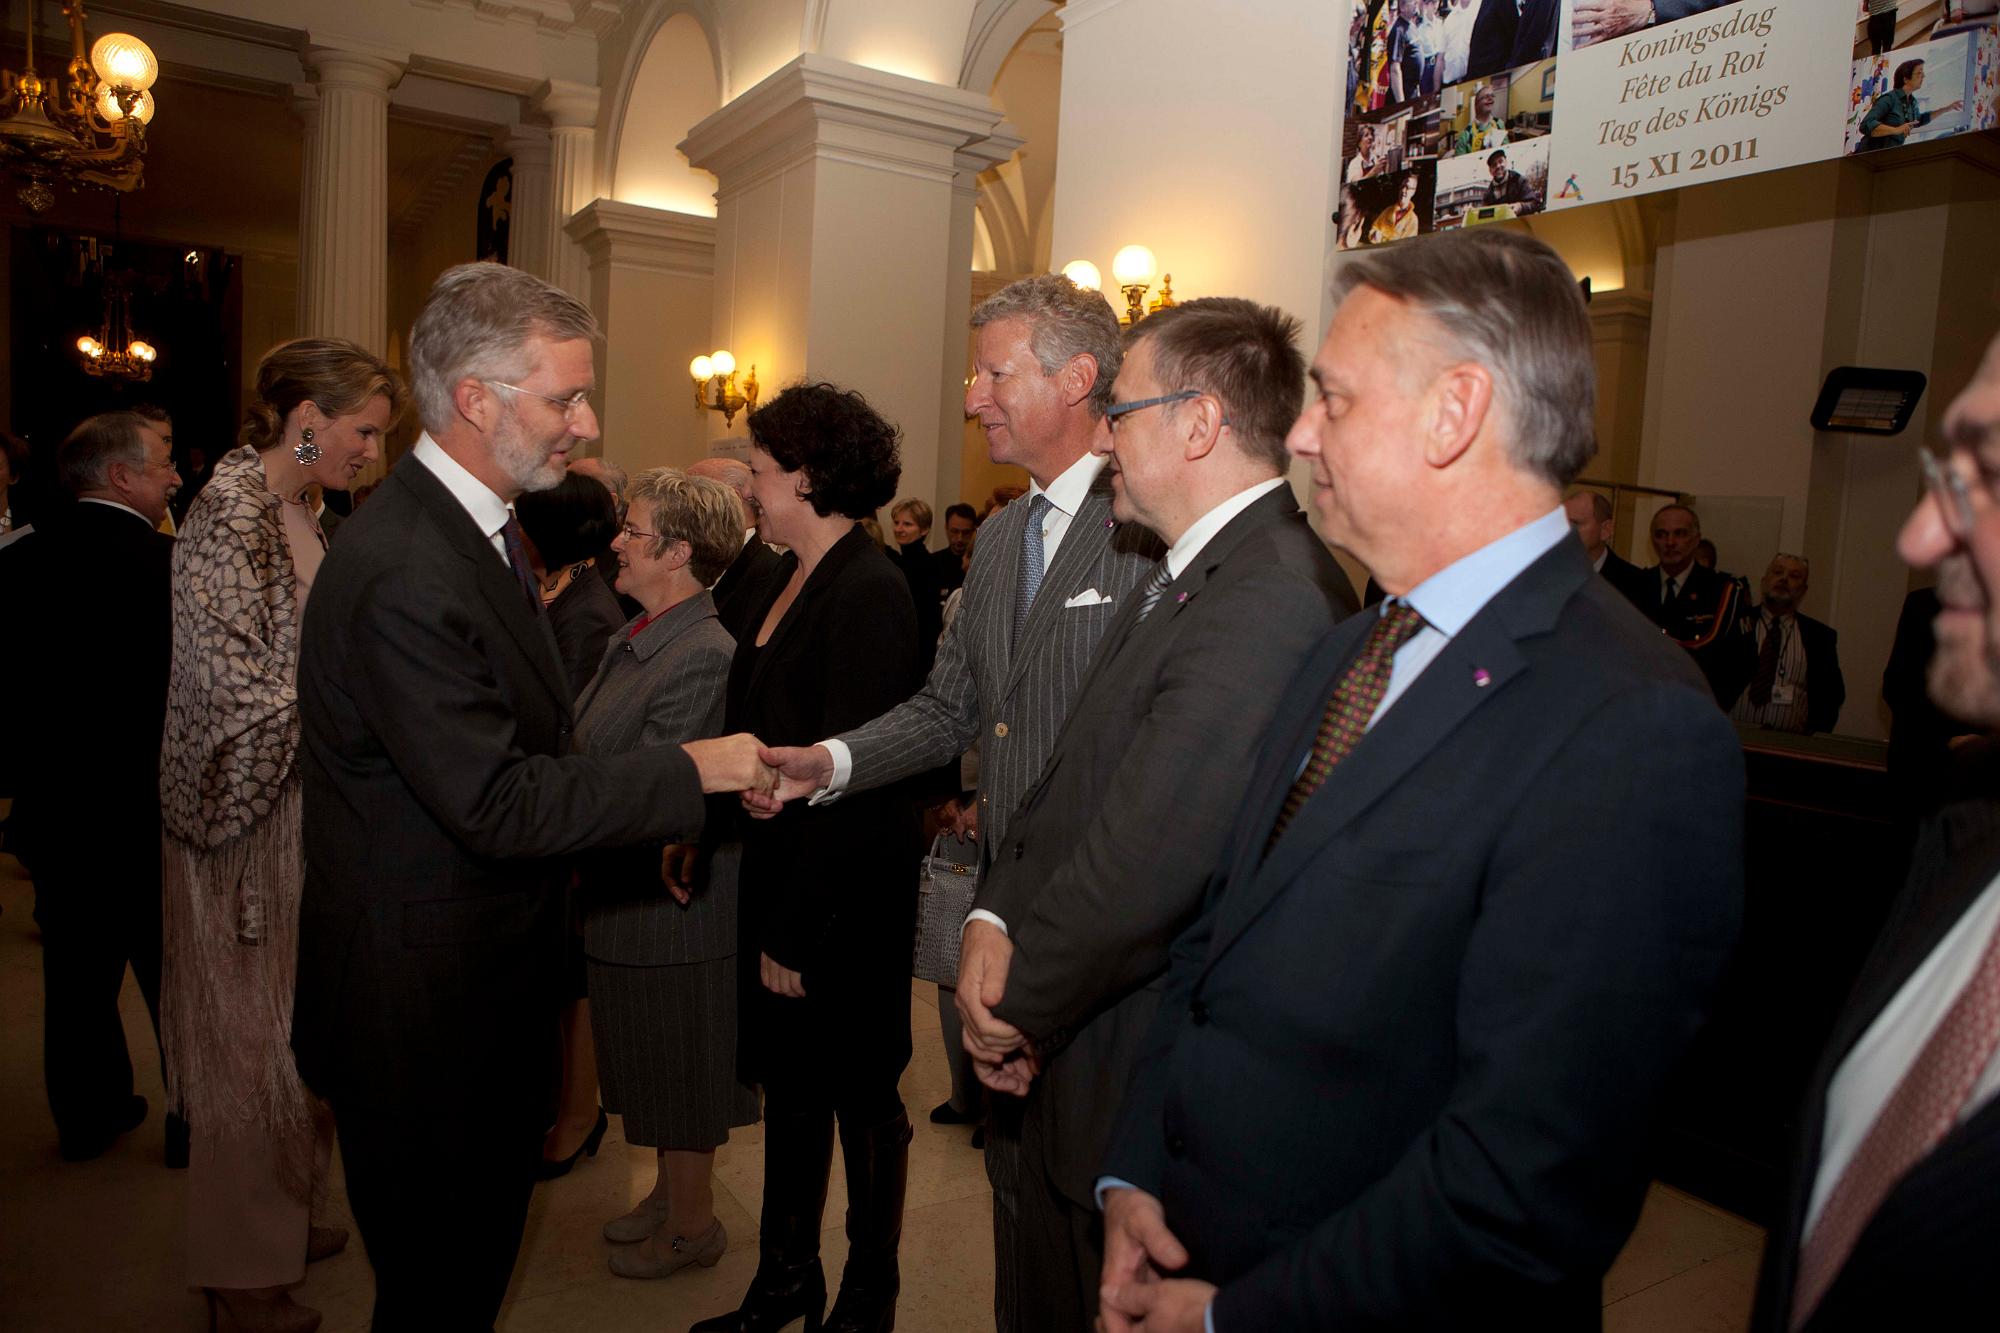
549 1170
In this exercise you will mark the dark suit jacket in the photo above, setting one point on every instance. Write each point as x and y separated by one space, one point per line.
740 590
1703 614
437 793
828 890
1929 1248
1503 37
90 639
1628 578
1405 1064
1107 857
1826 689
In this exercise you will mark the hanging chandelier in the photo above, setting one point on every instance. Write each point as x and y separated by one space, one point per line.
114 352
89 132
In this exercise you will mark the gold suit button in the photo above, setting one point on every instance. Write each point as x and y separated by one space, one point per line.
1000 729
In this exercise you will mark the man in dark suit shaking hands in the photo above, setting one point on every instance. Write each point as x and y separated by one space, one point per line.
437 787
1106 858
1895 1196
1405 1063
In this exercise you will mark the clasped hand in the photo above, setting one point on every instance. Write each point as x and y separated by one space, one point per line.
1003 1057
1135 1294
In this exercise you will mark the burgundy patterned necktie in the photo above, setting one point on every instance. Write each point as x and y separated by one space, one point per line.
517 556
1918 1114
1352 703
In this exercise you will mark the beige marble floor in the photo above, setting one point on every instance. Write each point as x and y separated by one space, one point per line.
96 1246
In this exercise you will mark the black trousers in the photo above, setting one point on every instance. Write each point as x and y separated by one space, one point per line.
440 1198
1048 1251
97 915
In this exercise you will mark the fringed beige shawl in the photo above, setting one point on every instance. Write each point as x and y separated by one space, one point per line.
229 790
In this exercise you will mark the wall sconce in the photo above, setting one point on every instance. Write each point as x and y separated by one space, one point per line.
715 375
1133 269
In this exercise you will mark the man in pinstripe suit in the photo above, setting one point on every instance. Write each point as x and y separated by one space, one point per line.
1048 574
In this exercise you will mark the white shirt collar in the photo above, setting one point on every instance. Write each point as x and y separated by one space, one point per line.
1067 491
117 504
1603 554
1202 531
488 510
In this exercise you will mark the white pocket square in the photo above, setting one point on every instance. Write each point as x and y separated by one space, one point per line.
1088 597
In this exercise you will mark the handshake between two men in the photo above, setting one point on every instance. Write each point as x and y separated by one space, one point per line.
767 777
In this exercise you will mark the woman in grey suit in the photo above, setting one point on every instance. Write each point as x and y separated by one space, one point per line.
661 959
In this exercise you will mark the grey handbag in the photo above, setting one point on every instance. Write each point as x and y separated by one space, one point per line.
944 896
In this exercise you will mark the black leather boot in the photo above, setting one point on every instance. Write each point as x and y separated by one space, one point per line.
798 1155
878 1173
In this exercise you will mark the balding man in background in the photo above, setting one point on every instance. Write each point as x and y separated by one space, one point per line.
1406 1065
737 592
1590 517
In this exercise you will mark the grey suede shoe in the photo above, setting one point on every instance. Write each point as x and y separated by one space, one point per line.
646 1260
638 1224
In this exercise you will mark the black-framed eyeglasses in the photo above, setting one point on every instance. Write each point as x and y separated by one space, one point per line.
1952 492
570 406
1117 410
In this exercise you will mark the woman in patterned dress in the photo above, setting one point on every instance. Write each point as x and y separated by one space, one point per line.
230 791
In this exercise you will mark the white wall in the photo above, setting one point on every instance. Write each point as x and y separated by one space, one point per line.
676 86
923 39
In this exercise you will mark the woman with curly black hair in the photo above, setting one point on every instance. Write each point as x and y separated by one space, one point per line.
828 893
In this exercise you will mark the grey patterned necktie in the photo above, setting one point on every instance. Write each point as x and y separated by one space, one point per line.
1033 560
1149 596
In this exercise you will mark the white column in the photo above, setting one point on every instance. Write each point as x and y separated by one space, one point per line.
834 237
652 280
344 242
571 109
534 227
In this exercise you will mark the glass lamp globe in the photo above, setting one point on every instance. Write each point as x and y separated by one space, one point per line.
724 363
701 368
124 61
1134 266
107 106
1084 274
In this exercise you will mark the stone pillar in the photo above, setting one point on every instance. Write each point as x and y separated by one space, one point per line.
834 226
967 163
534 226
344 235
651 285
571 109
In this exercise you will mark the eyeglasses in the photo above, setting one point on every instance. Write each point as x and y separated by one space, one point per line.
570 406
630 533
1951 491
1117 410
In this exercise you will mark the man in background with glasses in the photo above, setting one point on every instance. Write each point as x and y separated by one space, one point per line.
1895 1195
1791 660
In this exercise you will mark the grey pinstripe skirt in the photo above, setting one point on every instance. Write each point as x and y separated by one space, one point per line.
666 1051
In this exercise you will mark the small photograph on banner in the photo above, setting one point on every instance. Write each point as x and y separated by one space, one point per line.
1509 107
1381 209
1401 50
1594 21
1918 93
1498 186
1385 142
1883 26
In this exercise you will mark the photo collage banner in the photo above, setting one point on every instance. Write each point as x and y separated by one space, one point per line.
1453 115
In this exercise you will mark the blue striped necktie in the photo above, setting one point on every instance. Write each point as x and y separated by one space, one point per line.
1150 595
1033 560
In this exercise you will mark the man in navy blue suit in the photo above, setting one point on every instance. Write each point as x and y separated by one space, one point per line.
1405 1065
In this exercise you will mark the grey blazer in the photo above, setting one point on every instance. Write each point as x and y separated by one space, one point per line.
1106 860
661 688
1010 697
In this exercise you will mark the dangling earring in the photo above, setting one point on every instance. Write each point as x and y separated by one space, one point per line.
305 450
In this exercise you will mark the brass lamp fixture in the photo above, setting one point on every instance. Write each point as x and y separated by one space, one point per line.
114 352
89 132
1133 269
715 376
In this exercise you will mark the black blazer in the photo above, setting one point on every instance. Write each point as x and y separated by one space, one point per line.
1929 1248
1704 613
438 798
89 641
741 590
1405 1065
1628 578
1826 688
827 890
1107 857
